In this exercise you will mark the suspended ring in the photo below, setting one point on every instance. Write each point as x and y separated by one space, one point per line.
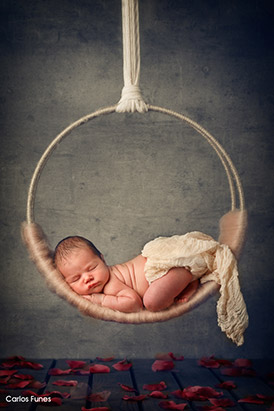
41 254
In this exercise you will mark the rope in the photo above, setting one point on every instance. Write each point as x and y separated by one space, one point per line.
131 98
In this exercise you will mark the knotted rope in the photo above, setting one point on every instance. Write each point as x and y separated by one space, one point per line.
131 99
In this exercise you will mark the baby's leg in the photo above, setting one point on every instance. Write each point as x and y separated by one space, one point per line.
162 292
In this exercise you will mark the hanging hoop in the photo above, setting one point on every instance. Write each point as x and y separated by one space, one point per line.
41 253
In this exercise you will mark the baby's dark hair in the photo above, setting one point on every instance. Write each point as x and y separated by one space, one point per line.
65 246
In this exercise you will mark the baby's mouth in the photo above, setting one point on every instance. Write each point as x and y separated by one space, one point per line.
92 285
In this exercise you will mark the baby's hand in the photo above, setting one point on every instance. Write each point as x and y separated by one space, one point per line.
87 297
96 298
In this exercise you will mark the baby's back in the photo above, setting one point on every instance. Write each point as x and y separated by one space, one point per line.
132 274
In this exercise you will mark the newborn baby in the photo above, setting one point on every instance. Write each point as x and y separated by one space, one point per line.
123 287
168 270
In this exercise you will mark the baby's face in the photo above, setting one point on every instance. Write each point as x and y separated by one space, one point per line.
84 271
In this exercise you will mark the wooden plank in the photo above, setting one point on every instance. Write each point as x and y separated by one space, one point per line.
246 386
191 374
22 402
82 387
145 375
110 382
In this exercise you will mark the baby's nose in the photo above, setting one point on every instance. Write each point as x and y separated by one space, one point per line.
87 277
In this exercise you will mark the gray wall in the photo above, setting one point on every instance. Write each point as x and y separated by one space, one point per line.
122 180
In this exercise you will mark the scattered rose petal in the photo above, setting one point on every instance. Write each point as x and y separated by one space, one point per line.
95 409
127 387
123 365
20 362
20 384
162 365
4 404
267 398
224 363
232 371
107 359
173 357
24 376
65 383
6 373
222 402
80 372
197 393
98 369
99 396
212 408
134 397
37 384
158 394
252 399
163 356
208 362
58 371
242 362
155 387
76 364
171 405
227 385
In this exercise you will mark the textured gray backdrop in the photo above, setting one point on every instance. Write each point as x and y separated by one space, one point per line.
122 180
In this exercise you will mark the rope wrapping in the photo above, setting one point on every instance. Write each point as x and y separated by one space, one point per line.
131 98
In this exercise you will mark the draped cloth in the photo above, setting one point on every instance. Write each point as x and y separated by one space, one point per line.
207 260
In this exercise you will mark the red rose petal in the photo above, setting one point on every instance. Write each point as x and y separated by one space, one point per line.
37 384
162 365
155 387
208 362
232 371
134 397
65 383
242 362
99 396
197 393
3 405
98 369
173 357
158 394
20 384
252 399
20 362
76 364
123 365
227 385
127 387
6 373
24 376
222 402
107 359
171 405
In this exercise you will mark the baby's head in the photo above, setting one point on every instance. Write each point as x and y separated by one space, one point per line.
82 265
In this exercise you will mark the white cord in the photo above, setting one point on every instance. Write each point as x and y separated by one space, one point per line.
131 98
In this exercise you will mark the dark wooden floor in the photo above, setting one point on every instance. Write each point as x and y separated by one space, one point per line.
256 381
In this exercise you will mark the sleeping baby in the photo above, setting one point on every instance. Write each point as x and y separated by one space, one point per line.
167 271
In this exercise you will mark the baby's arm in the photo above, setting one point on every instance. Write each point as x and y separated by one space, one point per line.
126 300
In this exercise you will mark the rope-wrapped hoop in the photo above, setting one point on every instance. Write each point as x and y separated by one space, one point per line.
232 231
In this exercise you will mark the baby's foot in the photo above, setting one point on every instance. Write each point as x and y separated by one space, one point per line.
185 295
